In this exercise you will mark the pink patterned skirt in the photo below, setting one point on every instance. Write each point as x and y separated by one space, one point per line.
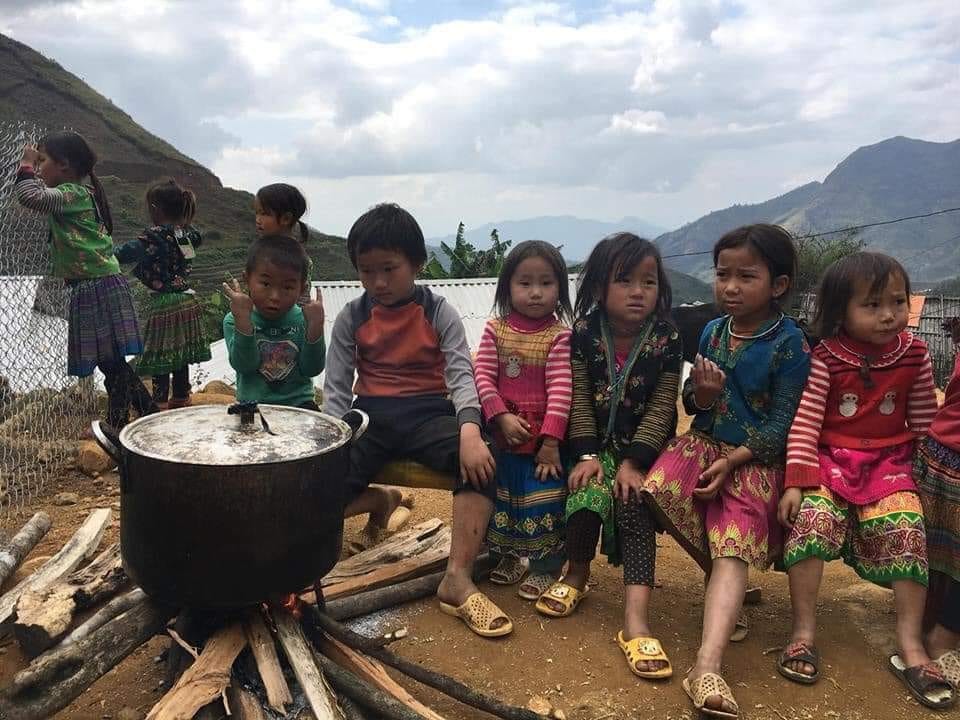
740 522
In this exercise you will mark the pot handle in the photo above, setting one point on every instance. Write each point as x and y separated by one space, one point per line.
358 421
108 439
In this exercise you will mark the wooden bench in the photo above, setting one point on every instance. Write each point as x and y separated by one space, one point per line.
407 473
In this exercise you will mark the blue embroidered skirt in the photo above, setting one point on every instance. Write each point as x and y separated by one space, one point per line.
103 328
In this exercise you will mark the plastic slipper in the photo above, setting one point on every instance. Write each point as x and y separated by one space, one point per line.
535 586
566 595
645 649
740 630
799 652
509 571
949 664
479 612
705 686
926 683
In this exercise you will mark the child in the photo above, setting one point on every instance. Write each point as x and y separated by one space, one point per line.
524 383
414 378
174 336
849 491
278 208
102 326
715 489
936 469
626 358
275 346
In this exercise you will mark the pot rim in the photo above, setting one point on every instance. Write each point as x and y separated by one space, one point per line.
347 436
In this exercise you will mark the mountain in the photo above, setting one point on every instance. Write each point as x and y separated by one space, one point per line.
892 179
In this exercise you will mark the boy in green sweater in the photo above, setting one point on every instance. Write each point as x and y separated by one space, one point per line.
275 345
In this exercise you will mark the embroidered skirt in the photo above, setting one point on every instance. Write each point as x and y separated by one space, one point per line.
597 497
102 329
862 477
740 522
936 470
528 514
174 335
883 541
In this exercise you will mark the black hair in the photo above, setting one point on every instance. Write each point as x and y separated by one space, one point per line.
73 150
282 251
772 243
523 251
618 254
387 227
280 198
168 201
839 282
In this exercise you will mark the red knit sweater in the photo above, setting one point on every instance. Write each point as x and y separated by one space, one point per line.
945 428
838 409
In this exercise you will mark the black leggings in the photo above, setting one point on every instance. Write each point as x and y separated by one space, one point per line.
638 541
124 388
950 609
181 385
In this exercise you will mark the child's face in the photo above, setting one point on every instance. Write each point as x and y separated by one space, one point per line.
274 290
269 223
388 275
743 286
534 290
51 171
877 318
632 296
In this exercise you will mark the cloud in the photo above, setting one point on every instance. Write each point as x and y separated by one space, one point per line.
652 105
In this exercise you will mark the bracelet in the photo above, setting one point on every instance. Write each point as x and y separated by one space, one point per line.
696 405
588 456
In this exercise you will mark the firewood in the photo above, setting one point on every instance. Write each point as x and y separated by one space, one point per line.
82 545
374 673
245 705
20 545
54 680
104 615
265 654
205 680
44 615
321 698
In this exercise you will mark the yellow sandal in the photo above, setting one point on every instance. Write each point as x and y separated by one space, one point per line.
479 612
645 649
566 595
705 686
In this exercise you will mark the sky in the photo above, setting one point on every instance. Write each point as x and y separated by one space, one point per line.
493 110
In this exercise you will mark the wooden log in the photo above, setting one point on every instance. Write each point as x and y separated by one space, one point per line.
351 711
54 680
373 673
101 617
20 545
321 698
82 545
245 705
205 680
268 664
43 616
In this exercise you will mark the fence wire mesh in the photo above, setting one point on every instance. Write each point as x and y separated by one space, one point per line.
42 409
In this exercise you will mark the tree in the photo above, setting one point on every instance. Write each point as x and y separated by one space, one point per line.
466 261
816 254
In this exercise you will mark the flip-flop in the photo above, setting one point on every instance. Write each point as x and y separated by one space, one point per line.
923 682
645 649
705 686
563 593
478 613
799 652
949 664
740 630
509 571
538 583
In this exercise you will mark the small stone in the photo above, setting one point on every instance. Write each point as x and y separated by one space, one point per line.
129 713
539 705
66 498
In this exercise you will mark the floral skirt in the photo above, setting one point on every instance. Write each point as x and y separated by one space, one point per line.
597 497
936 470
528 518
882 541
740 522
174 335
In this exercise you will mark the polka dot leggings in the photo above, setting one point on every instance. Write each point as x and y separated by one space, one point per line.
637 539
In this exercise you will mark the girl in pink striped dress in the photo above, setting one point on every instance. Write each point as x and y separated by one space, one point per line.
524 382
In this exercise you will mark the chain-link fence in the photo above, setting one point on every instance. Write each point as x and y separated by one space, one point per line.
41 407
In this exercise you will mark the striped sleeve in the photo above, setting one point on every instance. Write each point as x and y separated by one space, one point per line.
922 401
33 194
559 387
582 432
659 420
803 462
486 371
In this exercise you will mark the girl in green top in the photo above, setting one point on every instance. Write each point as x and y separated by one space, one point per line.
102 326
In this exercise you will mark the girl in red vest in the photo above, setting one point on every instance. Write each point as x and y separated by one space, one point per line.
849 490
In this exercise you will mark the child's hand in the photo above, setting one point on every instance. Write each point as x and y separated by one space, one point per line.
708 380
629 479
314 315
548 460
712 479
30 156
789 506
516 430
476 462
582 472
240 305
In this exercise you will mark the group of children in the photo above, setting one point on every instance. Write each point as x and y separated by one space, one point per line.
560 436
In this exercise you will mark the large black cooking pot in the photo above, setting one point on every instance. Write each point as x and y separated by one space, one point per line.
222 508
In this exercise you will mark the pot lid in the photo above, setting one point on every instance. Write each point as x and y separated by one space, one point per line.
217 435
